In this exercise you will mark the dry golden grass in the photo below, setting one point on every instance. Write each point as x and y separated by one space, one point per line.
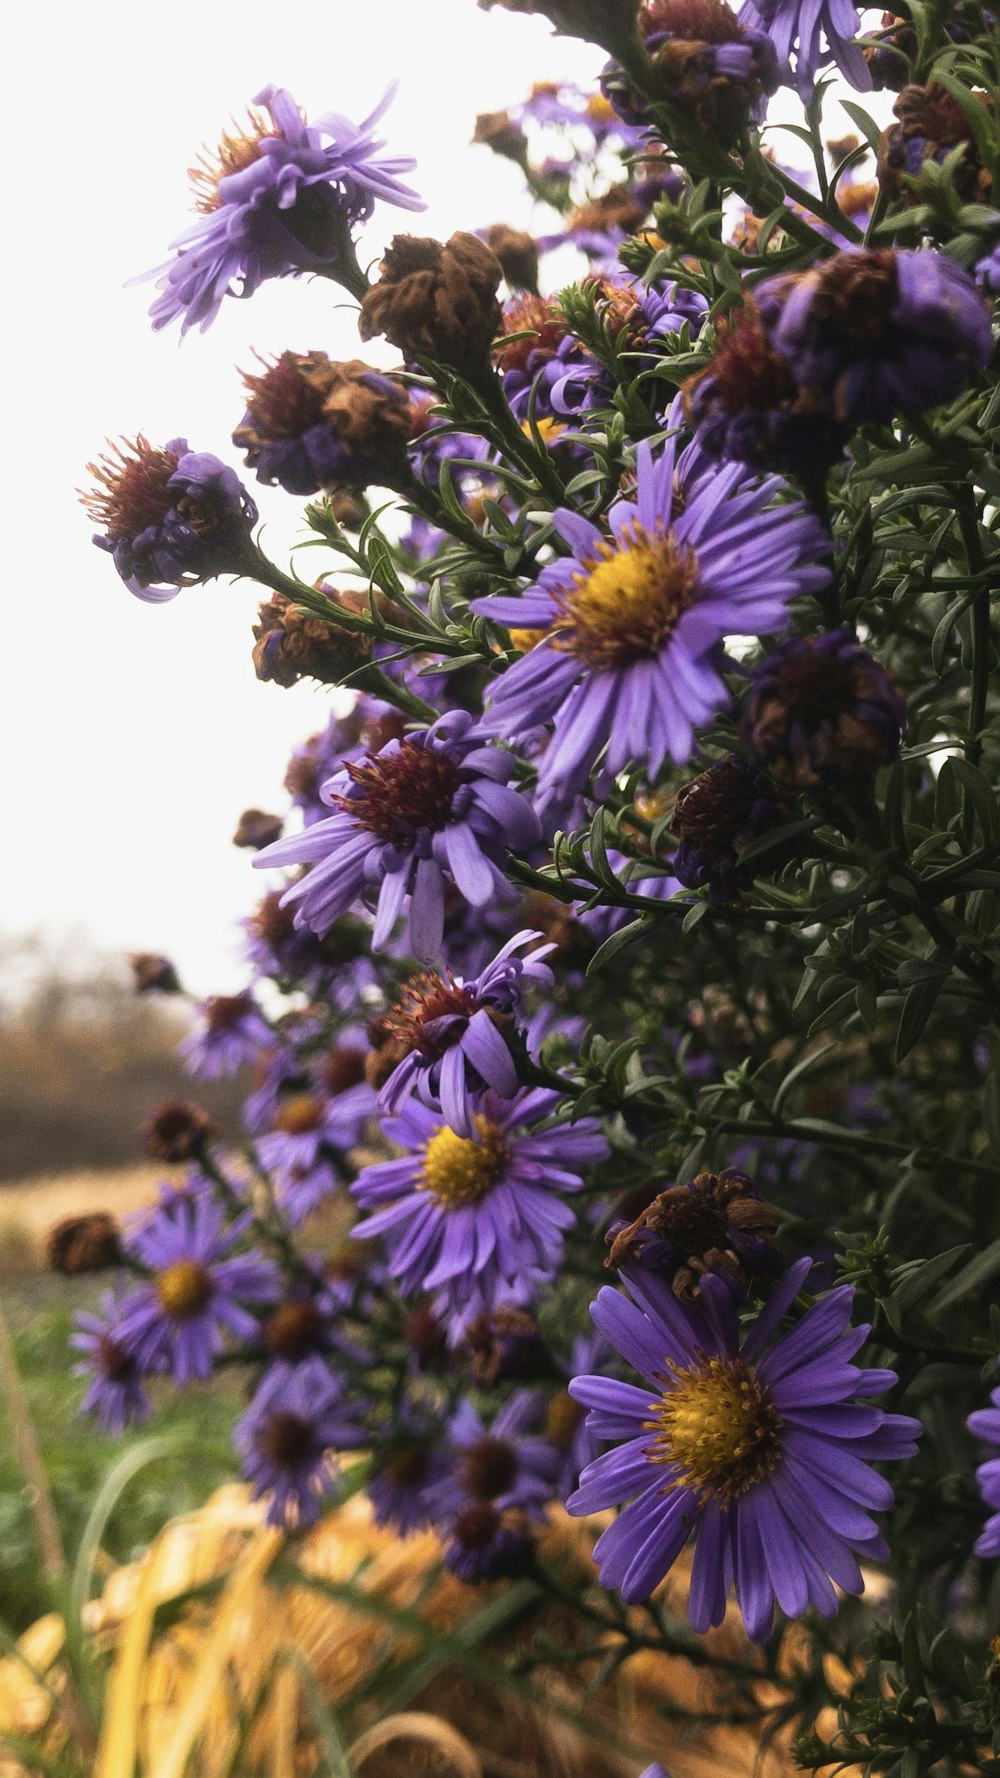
256 1649
29 1208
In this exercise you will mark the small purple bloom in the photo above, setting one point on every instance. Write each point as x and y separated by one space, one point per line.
805 26
432 809
626 662
233 1033
756 1442
172 518
988 269
115 1394
985 1424
198 1291
287 1439
283 199
508 1464
455 1030
485 1544
480 1217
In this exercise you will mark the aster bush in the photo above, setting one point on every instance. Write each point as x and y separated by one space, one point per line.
622 998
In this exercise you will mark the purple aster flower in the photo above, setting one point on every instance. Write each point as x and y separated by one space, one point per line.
758 1444
508 1464
567 1424
287 1438
655 1771
626 664
284 198
234 1030
172 518
485 1543
988 269
477 1217
985 1424
409 1466
746 405
871 334
822 711
312 1132
453 1032
806 26
198 1291
719 68
115 1393
314 423
432 809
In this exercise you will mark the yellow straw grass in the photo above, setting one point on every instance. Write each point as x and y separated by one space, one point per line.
230 1680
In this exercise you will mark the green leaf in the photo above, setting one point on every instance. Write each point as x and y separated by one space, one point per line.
618 941
917 1008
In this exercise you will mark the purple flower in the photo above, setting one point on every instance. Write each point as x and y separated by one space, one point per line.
800 25
431 809
284 198
567 1425
115 1393
985 1424
871 334
509 1464
758 1445
408 1470
477 1217
626 662
198 1289
484 1544
172 518
454 1032
233 1032
287 1437
822 711
988 269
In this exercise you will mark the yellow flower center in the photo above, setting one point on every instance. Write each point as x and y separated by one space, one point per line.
184 1288
627 602
717 1426
561 1420
524 640
233 154
298 1114
548 429
457 1170
600 109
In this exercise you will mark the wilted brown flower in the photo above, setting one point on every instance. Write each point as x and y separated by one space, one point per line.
177 1131
716 1222
518 256
930 123
81 1244
154 974
436 300
255 829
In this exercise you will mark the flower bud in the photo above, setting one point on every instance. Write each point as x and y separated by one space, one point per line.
153 974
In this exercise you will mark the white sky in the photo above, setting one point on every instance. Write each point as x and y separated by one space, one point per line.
132 736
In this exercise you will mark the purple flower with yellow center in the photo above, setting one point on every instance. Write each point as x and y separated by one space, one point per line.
172 518
432 809
312 1131
819 31
288 1436
985 1424
477 1217
871 334
233 1032
627 629
199 1289
281 198
115 1393
454 1032
756 1442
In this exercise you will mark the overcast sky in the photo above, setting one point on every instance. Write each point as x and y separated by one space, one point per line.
132 735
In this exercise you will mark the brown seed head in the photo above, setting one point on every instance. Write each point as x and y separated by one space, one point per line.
153 974
178 1131
518 256
256 829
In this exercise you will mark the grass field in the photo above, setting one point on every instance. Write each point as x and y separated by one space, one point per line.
40 1308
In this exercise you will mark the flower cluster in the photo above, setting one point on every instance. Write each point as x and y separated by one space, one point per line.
627 954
